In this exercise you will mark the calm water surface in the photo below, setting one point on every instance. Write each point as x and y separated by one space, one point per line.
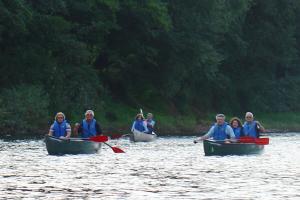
169 168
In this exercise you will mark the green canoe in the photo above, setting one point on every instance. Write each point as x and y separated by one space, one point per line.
57 146
220 148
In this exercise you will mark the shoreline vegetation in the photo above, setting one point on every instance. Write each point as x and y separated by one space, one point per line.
117 119
192 125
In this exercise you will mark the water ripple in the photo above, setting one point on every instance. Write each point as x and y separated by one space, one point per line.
169 168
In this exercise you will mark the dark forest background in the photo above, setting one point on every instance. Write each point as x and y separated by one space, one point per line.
171 56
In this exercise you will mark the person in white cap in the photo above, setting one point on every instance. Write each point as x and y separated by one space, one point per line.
251 127
139 125
89 126
219 131
60 128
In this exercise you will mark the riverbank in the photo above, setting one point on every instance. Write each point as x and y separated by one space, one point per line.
117 119
190 125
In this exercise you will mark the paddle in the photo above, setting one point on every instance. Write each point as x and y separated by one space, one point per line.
115 149
104 139
141 111
99 138
260 141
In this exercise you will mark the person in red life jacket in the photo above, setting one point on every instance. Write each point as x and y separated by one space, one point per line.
237 127
150 123
60 128
219 131
139 124
89 126
251 127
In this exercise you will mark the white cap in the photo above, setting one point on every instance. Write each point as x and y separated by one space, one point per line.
250 114
220 115
89 112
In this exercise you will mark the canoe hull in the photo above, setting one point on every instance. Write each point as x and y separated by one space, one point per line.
220 148
57 146
137 136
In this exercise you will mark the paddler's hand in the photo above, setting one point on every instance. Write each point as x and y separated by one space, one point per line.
227 141
63 138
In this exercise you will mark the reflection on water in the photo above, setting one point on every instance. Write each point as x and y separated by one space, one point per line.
167 168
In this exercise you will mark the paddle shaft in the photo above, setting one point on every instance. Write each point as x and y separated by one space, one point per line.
99 138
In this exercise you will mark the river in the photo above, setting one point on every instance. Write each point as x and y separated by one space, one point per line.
168 168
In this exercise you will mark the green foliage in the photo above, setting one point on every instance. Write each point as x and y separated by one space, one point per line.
181 56
24 109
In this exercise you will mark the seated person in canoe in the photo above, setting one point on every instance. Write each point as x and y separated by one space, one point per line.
139 124
89 126
252 127
150 123
60 128
237 127
219 131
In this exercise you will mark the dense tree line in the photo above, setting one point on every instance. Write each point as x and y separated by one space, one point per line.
206 55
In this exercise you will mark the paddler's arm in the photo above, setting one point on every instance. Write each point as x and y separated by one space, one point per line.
132 127
206 136
260 127
230 132
145 127
68 130
51 130
152 123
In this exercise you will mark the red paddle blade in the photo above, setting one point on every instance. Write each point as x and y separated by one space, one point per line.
247 139
262 141
100 138
117 150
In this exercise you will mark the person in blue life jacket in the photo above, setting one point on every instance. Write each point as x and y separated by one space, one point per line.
89 126
219 131
139 124
150 123
237 127
60 128
252 127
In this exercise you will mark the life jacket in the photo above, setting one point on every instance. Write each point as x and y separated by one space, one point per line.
59 129
88 129
150 124
139 125
250 129
220 132
237 132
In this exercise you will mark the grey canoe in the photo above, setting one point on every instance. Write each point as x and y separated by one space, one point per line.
138 136
57 146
